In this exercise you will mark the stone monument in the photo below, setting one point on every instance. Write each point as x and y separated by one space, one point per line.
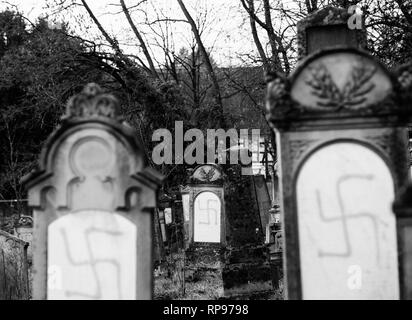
93 198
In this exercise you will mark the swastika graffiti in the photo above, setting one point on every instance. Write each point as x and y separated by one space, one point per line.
344 217
92 262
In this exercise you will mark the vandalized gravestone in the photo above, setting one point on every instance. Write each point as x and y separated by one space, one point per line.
93 199
203 205
340 119
204 226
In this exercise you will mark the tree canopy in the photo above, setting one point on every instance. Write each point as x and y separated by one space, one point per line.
41 67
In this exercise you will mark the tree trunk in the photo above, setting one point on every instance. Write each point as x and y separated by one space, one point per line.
216 88
139 37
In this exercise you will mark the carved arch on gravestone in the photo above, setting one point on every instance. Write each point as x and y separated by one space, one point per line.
384 144
204 229
91 132
315 145
218 192
379 162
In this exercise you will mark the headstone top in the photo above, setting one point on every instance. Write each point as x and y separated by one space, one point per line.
206 174
326 28
334 84
93 102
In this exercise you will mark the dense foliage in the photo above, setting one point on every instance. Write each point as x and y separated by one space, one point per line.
41 67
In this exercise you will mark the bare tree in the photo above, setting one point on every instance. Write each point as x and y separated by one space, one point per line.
209 67
278 60
140 38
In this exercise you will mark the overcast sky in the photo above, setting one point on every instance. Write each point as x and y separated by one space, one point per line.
226 34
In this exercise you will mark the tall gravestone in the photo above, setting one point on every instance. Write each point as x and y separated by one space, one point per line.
203 206
204 224
93 198
340 122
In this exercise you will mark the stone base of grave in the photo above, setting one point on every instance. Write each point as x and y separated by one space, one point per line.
247 273
205 254
203 267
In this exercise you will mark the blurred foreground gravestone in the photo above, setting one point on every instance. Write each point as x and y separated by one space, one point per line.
93 199
341 121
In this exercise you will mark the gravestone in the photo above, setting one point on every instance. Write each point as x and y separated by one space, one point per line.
247 271
340 121
203 206
93 199
204 223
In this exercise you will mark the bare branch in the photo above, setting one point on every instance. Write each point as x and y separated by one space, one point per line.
139 37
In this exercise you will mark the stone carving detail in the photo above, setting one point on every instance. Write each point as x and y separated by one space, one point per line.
93 102
353 92
393 148
207 176
383 141
298 147
278 97
208 173
92 155
185 189
360 86
405 76
25 221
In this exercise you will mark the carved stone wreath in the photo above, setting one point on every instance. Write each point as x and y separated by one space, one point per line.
207 175
359 86
351 96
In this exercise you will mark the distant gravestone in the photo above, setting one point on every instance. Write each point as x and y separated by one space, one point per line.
204 223
341 119
93 199
203 206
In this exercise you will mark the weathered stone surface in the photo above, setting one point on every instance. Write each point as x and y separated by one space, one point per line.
326 28
14 278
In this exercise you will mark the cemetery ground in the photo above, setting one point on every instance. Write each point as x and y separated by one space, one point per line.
173 282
